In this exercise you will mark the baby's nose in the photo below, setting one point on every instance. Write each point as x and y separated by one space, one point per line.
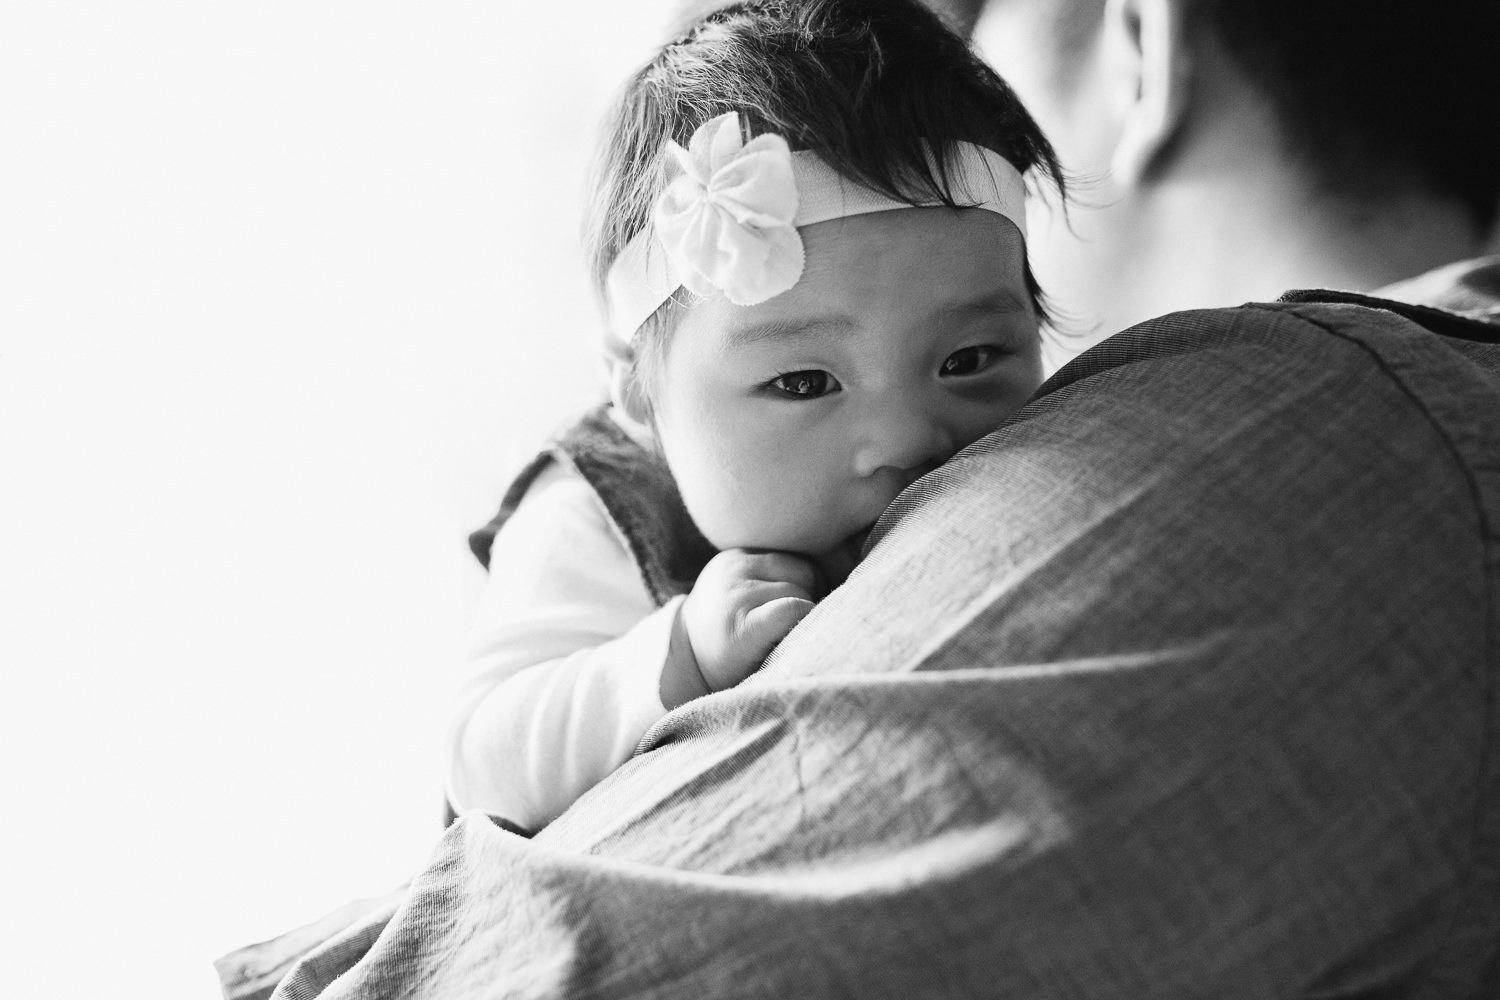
902 439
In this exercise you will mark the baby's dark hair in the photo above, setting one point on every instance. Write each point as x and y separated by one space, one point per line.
870 85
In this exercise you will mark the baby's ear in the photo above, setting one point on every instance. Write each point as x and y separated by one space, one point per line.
627 391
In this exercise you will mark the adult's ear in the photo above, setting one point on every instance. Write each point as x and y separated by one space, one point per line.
1151 69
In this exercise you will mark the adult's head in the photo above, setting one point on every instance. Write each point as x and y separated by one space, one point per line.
1230 149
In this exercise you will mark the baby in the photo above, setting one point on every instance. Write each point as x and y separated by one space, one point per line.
809 243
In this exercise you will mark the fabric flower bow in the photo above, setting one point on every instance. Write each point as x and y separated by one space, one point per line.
727 220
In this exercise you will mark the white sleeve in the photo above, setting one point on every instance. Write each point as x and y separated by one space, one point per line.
564 676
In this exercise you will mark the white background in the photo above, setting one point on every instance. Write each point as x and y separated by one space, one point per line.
286 291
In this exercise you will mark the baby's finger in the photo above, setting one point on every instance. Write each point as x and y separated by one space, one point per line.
758 592
769 623
781 567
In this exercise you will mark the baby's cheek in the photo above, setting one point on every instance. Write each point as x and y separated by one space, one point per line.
709 512
1023 376
728 516
748 488
780 517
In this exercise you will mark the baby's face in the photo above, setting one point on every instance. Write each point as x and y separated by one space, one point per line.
791 424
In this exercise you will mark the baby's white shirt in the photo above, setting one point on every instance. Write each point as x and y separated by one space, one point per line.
564 674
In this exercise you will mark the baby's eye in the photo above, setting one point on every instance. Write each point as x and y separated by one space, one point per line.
969 361
804 385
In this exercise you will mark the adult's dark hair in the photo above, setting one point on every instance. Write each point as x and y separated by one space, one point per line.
1376 96
870 85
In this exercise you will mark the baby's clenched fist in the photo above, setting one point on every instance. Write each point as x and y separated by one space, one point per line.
741 606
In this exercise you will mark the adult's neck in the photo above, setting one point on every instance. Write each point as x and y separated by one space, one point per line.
1246 235
1228 218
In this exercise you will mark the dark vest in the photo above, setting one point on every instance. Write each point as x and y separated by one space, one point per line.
638 493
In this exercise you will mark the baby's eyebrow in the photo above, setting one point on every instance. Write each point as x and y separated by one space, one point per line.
1002 301
793 328
788 329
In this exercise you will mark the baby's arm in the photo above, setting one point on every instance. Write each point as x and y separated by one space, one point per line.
565 668
572 663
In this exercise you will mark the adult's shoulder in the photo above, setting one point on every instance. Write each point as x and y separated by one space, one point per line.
1303 328
1468 287
1179 683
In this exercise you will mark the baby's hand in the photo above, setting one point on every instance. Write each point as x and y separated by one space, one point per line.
742 605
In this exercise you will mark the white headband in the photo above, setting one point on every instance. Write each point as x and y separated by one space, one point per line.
728 219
